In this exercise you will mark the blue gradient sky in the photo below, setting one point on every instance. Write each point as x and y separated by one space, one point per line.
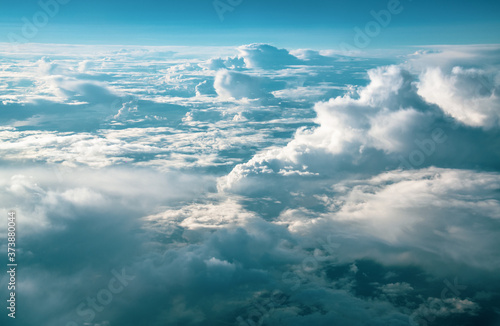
314 23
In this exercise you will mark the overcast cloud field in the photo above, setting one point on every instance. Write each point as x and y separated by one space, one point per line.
248 163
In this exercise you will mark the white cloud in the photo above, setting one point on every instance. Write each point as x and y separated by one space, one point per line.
238 85
266 56
202 216
385 121
384 116
468 95
425 213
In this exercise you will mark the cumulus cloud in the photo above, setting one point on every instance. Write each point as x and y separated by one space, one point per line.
227 63
388 123
266 56
384 117
468 95
238 85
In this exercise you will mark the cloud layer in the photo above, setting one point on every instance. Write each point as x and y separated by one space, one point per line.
254 185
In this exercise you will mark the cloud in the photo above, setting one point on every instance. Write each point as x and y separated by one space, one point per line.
312 57
396 289
205 88
438 308
384 117
227 63
46 66
317 306
386 124
410 211
202 216
81 90
468 95
266 56
238 85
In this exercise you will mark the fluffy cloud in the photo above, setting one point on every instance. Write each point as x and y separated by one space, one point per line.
238 85
412 209
265 56
383 125
468 95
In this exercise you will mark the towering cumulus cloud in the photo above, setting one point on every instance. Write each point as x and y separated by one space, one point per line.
408 116
265 56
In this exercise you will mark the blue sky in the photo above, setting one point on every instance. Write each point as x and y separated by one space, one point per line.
318 24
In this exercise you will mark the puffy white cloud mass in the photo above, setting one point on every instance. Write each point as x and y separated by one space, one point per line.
468 95
252 185
266 56
400 119
238 85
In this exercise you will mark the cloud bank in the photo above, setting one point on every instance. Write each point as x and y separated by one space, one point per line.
254 185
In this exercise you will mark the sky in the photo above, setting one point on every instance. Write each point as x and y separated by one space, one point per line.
271 163
318 24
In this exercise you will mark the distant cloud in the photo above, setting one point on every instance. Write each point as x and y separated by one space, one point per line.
265 56
238 85
380 125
